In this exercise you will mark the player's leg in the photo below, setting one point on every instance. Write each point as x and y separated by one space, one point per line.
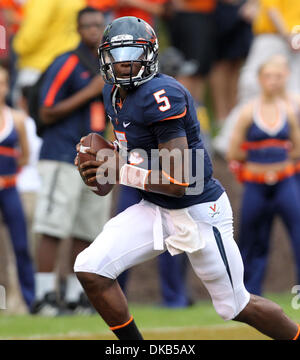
92 213
171 268
268 318
220 267
127 196
15 220
172 272
125 241
255 224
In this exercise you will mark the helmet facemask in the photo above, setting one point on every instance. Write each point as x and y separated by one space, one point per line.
130 51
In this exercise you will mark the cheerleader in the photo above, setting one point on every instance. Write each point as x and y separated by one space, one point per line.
264 144
13 155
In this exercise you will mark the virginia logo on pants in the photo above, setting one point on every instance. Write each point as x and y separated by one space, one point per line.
214 210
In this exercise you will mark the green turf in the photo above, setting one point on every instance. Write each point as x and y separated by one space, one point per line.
147 317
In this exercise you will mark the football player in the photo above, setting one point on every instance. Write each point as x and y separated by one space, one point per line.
181 210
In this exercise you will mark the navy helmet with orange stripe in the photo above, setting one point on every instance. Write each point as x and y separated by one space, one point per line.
129 40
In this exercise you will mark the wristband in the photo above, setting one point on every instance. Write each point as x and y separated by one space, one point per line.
134 176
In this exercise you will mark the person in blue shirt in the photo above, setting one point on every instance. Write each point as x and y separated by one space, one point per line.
71 105
183 207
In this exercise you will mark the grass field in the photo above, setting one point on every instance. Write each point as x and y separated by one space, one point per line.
197 322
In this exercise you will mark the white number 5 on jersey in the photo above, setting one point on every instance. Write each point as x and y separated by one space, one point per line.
162 99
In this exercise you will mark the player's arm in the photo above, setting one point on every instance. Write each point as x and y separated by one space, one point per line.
176 172
235 151
170 169
164 110
19 121
169 180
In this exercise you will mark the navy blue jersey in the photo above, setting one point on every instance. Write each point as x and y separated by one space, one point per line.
66 76
156 112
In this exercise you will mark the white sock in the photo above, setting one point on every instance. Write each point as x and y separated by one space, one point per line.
74 289
44 283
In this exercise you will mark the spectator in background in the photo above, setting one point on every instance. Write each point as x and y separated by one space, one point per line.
105 6
266 140
234 36
193 32
29 181
71 107
11 12
48 30
13 155
273 28
148 10
4 43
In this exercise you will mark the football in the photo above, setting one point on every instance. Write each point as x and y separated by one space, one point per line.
95 142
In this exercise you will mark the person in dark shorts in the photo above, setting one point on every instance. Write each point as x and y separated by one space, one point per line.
234 37
193 32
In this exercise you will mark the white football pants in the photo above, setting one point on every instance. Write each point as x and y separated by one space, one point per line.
128 240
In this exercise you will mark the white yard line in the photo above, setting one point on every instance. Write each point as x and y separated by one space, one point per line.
173 329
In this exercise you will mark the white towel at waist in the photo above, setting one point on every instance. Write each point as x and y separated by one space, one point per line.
186 236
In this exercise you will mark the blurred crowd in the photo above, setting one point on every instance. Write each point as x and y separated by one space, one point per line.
240 60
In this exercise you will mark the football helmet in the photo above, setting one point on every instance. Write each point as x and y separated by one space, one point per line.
131 40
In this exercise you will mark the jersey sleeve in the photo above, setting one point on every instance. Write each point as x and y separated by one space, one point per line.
163 104
56 80
168 130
